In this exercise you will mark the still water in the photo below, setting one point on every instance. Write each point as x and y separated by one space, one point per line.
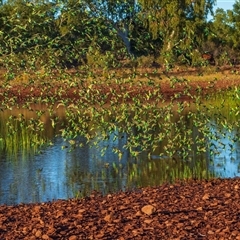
62 170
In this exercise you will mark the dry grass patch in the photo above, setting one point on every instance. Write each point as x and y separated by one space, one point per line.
124 75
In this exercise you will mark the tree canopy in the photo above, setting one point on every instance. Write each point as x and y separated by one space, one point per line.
72 33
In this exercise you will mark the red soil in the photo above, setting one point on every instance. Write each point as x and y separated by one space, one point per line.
32 93
185 210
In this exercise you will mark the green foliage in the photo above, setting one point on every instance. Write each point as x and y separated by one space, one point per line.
181 24
61 34
27 30
224 37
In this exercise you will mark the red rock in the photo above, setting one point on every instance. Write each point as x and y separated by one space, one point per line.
73 237
108 218
148 209
45 237
38 233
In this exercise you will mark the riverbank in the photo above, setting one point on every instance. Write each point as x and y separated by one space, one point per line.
184 210
74 85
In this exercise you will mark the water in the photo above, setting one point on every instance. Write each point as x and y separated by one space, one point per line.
63 170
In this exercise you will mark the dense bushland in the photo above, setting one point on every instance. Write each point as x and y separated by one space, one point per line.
41 34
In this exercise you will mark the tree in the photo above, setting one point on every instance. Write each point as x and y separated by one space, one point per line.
233 22
118 15
181 23
226 33
26 30
82 33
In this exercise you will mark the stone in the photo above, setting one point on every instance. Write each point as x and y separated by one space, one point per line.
148 209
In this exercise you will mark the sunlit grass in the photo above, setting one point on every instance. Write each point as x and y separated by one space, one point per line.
135 75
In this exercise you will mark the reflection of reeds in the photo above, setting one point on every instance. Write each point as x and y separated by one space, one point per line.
156 172
135 173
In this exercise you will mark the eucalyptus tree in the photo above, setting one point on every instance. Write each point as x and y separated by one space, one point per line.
233 36
27 28
234 24
220 30
118 16
81 33
226 33
181 24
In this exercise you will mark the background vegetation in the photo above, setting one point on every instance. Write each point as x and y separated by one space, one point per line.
59 34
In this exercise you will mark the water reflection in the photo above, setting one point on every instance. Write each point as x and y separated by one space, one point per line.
34 178
93 170
225 152
64 170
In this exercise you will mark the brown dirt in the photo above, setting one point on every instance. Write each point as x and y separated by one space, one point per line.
31 93
186 210
227 77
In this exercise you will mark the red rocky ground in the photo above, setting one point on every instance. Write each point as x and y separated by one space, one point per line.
185 210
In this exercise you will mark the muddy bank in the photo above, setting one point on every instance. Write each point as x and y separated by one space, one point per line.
54 92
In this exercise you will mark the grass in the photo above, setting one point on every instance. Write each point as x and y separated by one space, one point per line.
208 74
